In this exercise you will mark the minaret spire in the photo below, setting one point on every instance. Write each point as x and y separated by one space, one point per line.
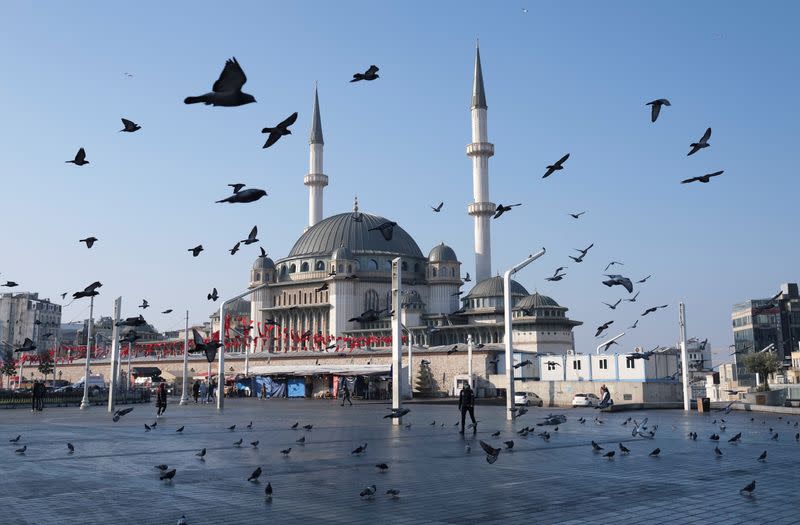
316 180
481 209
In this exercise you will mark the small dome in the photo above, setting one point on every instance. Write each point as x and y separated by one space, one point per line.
493 287
263 263
442 253
342 252
536 300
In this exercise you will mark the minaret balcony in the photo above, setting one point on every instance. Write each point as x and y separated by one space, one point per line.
480 149
315 179
481 208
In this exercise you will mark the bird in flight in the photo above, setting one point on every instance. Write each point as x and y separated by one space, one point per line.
144 304
89 241
235 248
705 179
237 187
279 130
168 311
251 237
10 284
500 210
80 158
386 229
619 280
640 281
130 126
602 328
263 254
655 107
613 306
196 250
556 275
213 296
633 299
244 196
653 309
558 165
577 215
369 74
582 253
612 263
700 144
438 208
227 90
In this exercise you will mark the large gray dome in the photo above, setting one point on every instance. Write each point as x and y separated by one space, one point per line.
343 230
442 253
493 287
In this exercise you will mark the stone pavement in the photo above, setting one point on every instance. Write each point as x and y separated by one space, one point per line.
110 478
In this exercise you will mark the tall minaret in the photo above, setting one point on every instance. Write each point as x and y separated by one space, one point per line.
316 180
480 150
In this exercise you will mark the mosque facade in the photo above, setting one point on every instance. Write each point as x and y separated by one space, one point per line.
332 291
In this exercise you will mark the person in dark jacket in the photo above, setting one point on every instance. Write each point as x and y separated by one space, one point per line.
35 397
40 396
161 399
346 393
466 403
196 391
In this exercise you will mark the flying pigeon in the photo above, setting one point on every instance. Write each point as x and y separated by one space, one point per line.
386 229
612 263
640 281
369 74
613 306
602 328
279 130
227 90
144 304
244 196
10 284
467 279
705 179
89 241
619 280
577 215
491 452
501 209
631 327
235 248
702 143
653 309
167 311
655 107
633 299
196 250
251 237
559 165
523 363
80 158
213 296
130 126
438 208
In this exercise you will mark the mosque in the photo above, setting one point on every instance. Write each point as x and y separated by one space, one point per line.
332 291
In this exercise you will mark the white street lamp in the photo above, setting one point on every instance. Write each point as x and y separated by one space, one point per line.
509 331
684 357
85 400
184 384
604 343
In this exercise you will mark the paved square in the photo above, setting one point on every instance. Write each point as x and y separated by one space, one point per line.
110 478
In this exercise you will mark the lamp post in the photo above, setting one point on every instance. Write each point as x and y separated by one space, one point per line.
469 359
684 360
112 389
508 329
221 366
604 343
397 299
185 382
85 400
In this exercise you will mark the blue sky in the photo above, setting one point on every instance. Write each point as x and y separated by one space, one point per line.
565 77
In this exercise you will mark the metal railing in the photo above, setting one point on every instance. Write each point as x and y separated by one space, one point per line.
9 399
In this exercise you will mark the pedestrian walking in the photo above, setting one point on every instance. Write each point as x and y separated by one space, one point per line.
263 391
203 392
40 397
195 390
34 396
161 399
466 403
346 393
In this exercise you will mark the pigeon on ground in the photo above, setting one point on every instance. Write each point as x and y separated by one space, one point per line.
279 130
22 450
255 443
201 454
397 413
763 456
80 158
655 452
558 165
301 441
369 74
196 250
717 452
359 449
705 179
89 241
308 427
749 488
168 475
394 493
183 521
735 438
368 492
147 427
255 475
655 107
438 208
238 443
286 451
227 90
244 196
386 229
452 350
161 467
596 447
382 467
714 437
293 427
71 448
501 209
213 296
268 491
523 363
614 280
609 454
509 444
774 437
702 143
623 449
130 126
495 434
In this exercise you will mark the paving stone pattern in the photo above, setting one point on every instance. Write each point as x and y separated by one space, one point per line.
110 478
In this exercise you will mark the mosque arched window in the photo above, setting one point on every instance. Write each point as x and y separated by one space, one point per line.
283 271
433 272
404 266
387 266
304 267
452 272
349 269
371 300
292 268
320 266
373 265
341 268
258 276
416 267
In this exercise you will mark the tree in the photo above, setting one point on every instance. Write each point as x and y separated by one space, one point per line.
426 384
9 367
46 366
763 364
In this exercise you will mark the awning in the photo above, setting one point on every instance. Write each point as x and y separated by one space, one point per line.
309 370
145 371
